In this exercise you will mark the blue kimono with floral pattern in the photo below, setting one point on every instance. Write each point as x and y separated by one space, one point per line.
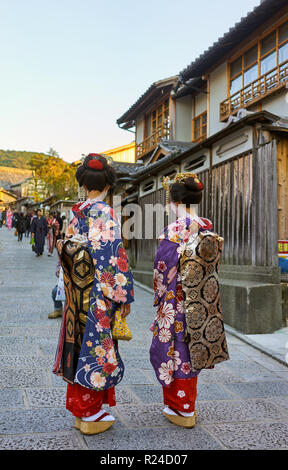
99 365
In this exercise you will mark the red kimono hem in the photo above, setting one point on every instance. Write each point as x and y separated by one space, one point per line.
83 402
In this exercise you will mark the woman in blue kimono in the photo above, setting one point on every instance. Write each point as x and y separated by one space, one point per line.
87 356
39 231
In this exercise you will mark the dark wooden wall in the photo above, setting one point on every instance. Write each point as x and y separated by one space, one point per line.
240 198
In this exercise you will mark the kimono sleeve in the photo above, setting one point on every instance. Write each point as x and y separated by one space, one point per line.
165 269
73 228
109 256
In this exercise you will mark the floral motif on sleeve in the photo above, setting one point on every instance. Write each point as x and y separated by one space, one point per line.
73 228
109 256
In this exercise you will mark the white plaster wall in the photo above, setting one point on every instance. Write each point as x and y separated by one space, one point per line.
277 104
139 130
218 93
200 103
183 119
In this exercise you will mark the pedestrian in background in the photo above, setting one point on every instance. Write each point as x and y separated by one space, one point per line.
64 226
20 226
58 309
39 232
9 217
60 222
53 232
4 217
27 224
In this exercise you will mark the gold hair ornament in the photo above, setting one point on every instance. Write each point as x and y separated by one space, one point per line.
179 178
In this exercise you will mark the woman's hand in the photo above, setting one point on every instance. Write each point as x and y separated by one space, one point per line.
125 310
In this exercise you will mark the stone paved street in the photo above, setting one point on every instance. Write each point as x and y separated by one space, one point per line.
241 404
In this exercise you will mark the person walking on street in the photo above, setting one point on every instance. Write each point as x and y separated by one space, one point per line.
27 224
20 226
39 232
64 226
188 331
90 361
58 308
4 217
9 217
60 222
53 231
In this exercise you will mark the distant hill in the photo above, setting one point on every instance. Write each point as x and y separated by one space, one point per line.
10 175
17 159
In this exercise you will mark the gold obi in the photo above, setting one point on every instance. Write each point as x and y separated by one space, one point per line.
81 270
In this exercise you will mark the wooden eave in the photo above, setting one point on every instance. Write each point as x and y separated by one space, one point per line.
156 92
154 168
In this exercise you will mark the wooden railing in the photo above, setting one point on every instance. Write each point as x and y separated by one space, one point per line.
162 132
255 91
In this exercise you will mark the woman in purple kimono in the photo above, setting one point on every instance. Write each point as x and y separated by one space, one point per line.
170 352
97 275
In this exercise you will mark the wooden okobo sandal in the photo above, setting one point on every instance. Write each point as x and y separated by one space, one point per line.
101 424
77 423
177 418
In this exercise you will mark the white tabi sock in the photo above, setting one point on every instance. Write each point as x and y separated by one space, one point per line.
168 411
97 415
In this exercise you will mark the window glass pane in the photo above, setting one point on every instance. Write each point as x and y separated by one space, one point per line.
236 67
283 32
236 85
197 123
268 43
251 74
204 119
268 63
283 53
250 56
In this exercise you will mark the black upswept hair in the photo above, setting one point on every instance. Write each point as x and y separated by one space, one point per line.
96 179
187 192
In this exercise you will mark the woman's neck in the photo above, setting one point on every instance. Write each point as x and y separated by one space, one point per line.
191 211
93 194
182 210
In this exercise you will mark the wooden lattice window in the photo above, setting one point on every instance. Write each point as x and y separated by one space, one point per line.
199 127
266 53
159 116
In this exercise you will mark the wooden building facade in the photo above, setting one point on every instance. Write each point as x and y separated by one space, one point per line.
239 150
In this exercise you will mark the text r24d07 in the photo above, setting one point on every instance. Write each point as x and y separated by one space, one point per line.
167 459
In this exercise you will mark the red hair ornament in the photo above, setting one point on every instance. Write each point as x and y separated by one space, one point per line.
95 165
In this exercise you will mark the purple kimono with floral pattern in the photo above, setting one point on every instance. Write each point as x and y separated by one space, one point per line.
169 353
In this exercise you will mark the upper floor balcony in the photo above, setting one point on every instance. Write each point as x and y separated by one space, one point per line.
149 143
263 86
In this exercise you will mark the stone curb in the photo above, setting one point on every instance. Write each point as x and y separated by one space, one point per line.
233 332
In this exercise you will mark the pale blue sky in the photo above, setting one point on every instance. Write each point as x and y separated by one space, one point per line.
70 68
